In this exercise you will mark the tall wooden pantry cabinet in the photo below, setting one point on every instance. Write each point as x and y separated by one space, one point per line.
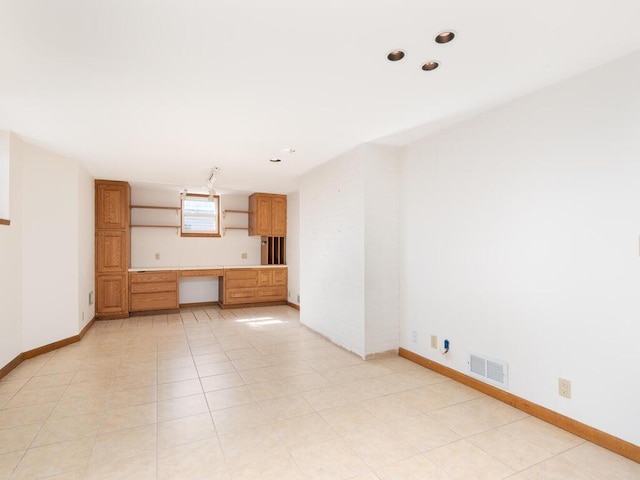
112 248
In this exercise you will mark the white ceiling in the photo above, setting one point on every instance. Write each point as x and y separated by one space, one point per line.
163 90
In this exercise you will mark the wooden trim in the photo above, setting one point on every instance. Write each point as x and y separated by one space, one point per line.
606 440
11 365
45 349
294 305
199 304
4 221
60 343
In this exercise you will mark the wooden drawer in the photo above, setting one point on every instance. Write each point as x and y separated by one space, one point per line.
280 276
202 273
162 276
151 287
153 301
265 277
241 278
255 295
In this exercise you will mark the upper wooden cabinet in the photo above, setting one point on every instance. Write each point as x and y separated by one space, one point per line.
112 205
268 215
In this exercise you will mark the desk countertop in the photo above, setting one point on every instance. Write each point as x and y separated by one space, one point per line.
201 267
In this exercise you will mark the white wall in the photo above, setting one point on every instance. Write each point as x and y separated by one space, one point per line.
349 249
189 251
51 240
293 246
5 174
47 252
520 237
11 263
86 246
382 249
332 250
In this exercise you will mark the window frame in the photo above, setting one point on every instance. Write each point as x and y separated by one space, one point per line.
216 199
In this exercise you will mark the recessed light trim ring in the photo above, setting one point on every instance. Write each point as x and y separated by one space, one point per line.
395 55
430 65
445 37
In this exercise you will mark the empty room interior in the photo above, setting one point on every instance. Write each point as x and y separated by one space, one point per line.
325 240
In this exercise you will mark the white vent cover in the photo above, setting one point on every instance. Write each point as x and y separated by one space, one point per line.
489 370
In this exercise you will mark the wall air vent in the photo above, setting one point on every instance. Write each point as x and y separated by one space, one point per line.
490 370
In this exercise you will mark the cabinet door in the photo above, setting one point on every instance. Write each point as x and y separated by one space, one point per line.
279 216
112 205
263 216
111 248
111 294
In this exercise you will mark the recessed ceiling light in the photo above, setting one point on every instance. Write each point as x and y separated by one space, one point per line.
432 65
445 37
395 55
275 160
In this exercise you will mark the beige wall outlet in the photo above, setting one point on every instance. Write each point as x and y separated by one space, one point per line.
564 388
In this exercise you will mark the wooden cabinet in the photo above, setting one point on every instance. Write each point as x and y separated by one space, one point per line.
112 248
268 215
152 291
112 205
241 286
111 295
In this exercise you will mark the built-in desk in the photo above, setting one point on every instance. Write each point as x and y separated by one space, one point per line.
153 289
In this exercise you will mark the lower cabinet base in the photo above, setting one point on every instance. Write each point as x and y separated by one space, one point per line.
247 305
146 313
111 316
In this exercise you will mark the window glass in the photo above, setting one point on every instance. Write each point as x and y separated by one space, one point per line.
200 216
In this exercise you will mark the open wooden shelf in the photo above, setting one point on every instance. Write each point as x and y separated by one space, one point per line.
154 207
224 212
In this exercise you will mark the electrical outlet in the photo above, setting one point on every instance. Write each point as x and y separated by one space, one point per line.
414 336
91 298
564 388
244 256
157 256
434 341
298 299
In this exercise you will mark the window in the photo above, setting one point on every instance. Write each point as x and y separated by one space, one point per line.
200 216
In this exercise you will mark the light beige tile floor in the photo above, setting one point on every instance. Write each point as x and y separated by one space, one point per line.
252 394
